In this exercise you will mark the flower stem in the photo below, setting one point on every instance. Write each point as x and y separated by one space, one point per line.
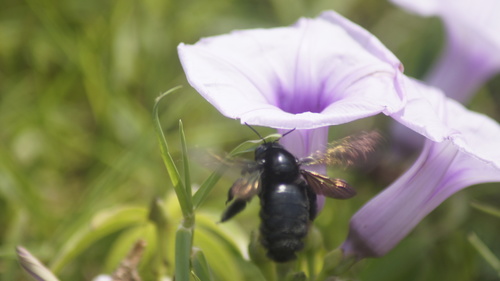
183 242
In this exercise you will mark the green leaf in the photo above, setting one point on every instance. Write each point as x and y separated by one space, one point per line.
221 259
484 251
122 245
251 145
207 186
185 161
257 254
228 233
184 198
200 266
486 208
104 223
194 277
17 188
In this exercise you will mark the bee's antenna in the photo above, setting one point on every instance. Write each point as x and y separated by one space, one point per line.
255 131
282 136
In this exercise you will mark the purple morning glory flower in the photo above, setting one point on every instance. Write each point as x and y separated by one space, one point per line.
472 51
469 156
329 71
316 73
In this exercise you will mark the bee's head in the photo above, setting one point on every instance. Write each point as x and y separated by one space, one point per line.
265 147
262 149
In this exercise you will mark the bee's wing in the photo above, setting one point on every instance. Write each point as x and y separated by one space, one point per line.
242 192
323 185
241 165
346 151
245 187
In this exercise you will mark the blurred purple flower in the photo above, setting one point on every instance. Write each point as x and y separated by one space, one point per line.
469 156
472 51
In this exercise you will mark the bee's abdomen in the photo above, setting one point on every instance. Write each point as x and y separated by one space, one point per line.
285 218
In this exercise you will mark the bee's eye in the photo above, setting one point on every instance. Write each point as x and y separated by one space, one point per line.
259 152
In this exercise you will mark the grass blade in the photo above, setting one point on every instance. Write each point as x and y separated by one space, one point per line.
103 223
207 186
486 208
184 199
185 161
200 266
251 145
485 252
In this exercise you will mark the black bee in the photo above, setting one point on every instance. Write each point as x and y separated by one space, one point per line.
287 192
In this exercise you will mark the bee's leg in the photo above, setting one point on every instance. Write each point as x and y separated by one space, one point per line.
230 195
237 206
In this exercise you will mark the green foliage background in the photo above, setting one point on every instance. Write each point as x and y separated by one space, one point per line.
79 158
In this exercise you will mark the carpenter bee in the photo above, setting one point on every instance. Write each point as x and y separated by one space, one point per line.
287 190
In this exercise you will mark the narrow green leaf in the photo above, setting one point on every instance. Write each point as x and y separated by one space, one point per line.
486 208
157 214
183 240
231 236
223 263
173 172
23 192
297 276
13 235
104 223
194 277
123 243
207 186
251 145
258 257
185 161
200 266
484 251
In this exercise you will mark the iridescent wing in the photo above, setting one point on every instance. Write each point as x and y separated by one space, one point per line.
242 192
245 187
346 151
243 165
323 185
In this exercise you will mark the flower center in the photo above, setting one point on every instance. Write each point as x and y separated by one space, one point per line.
297 101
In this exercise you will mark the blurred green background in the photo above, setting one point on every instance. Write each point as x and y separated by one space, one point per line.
79 159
